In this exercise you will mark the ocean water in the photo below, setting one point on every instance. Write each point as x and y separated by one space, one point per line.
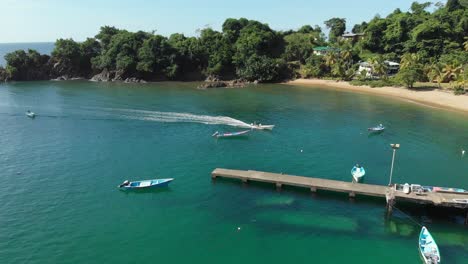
59 172
41 47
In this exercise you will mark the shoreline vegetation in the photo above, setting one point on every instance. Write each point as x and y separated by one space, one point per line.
426 46
429 97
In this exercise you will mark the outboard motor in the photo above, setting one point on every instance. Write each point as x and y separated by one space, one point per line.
125 183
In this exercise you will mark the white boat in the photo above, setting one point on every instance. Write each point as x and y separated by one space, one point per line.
461 201
376 129
428 247
358 173
230 134
262 127
128 185
30 114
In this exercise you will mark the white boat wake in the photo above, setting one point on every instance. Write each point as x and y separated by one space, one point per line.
173 117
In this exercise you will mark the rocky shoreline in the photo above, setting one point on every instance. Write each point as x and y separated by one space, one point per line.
214 82
116 76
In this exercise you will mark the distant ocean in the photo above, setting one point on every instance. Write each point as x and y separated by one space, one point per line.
41 47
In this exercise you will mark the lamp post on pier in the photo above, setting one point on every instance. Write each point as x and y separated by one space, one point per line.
394 147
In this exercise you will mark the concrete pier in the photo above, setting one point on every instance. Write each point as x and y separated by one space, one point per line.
352 189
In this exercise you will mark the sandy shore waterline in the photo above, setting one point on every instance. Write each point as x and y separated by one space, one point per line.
432 98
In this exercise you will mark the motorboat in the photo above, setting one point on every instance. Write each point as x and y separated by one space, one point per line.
129 185
358 173
30 114
376 129
428 247
230 134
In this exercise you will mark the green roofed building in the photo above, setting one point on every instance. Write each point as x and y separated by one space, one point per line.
323 50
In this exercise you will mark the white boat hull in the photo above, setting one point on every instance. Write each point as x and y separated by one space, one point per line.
358 174
357 178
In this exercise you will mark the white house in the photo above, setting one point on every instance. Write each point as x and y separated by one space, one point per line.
392 68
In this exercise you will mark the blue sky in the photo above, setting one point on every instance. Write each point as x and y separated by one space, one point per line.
47 20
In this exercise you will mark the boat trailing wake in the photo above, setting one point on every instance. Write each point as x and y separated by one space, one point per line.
173 117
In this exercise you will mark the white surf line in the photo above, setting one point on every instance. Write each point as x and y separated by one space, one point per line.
174 117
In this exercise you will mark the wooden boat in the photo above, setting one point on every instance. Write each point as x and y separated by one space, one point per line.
230 134
376 129
128 185
428 247
358 173
30 114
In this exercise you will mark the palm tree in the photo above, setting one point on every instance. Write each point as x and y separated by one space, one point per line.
409 60
452 72
346 55
436 73
330 59
379 67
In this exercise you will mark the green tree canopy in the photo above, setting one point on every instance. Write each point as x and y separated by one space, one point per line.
337 27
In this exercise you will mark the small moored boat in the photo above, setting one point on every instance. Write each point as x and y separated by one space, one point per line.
460 201
376 129
128 185
358 173
428 247
30 114
230 134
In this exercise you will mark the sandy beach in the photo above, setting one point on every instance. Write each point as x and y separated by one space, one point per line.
432 98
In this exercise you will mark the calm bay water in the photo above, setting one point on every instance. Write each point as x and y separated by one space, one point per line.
59 174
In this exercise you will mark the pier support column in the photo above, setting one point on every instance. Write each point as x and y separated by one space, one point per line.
390 197
466 217
352 195
244 182
389 207
313 189
213 177
278 186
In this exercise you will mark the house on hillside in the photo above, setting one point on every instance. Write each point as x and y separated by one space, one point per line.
392 68
322 50
352 36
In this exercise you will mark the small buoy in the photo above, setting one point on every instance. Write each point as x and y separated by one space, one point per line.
302 150
463 152
238 228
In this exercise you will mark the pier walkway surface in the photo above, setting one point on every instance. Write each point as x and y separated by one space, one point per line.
454 200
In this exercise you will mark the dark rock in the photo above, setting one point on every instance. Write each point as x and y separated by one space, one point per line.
118 76
134 80
104 76
237 83
60 78
208 85
212 78
3 75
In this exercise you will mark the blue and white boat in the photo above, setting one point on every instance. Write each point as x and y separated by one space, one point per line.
30 114
428 247
376 129
230 134
358 173
128 185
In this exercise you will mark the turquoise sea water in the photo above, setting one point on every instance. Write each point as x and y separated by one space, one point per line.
59 172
